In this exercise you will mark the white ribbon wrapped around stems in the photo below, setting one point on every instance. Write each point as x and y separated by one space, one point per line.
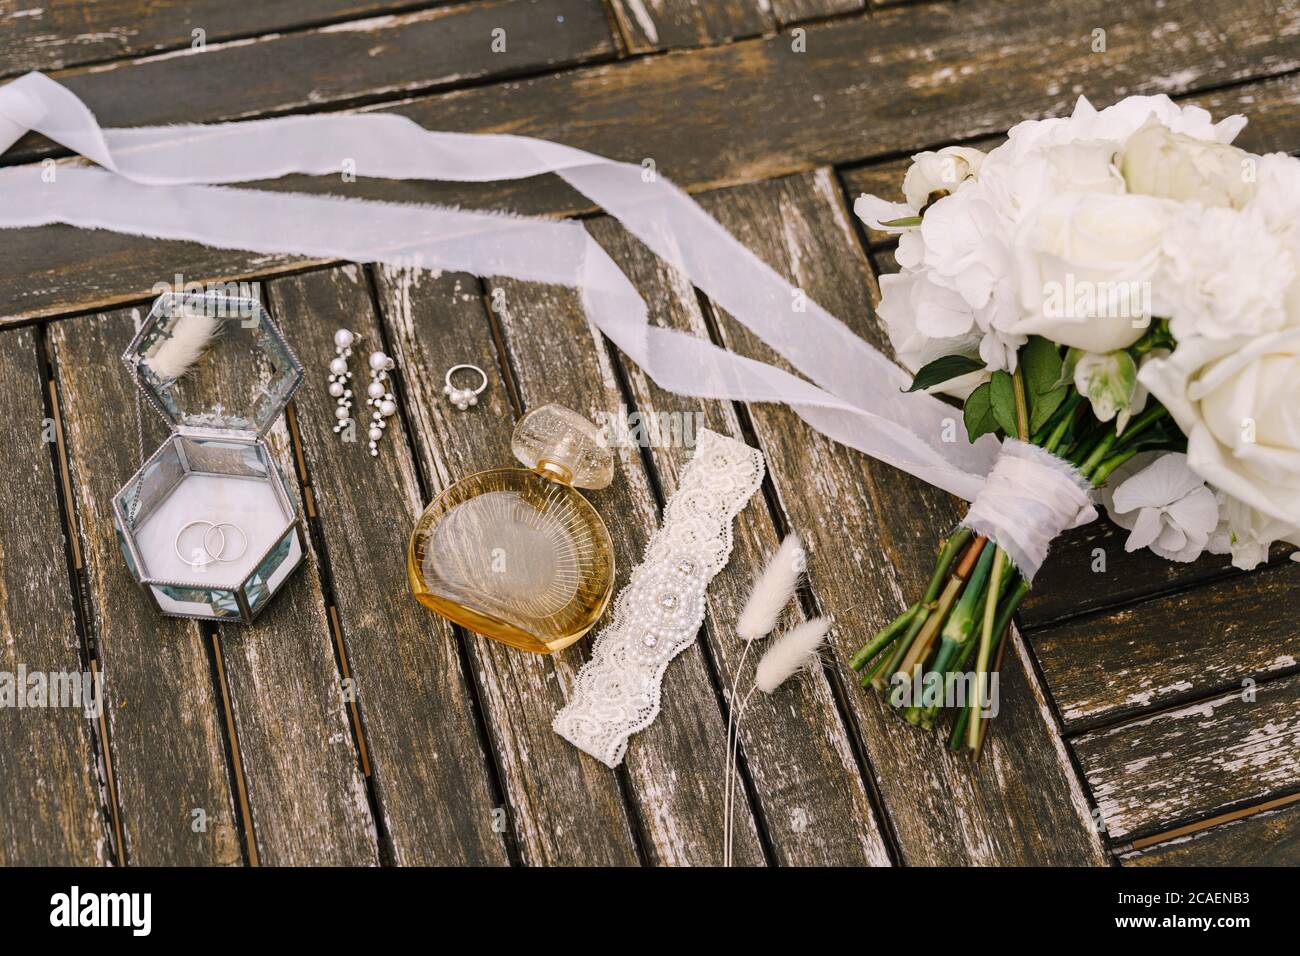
1030 497
169 182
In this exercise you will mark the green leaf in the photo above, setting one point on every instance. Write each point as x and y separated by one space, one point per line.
904 223
1068 366
944 368
1002 396
1040 362
978 413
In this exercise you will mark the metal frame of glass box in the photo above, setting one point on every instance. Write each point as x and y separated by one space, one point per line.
232 447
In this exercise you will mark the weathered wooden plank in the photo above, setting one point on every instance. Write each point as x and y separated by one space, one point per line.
1172 649
792 11
1273 107
1268 838
674 765
431 776
871 531
928 76
64 33
386 57
564 807
762 109
1095 553
51 812
671 24
306 791
1211 756
808 787
164 714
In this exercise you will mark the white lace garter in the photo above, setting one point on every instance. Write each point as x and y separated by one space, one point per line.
658 614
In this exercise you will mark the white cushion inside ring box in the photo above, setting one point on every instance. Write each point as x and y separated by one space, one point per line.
250 504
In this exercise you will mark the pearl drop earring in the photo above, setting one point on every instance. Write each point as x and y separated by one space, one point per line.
340 376
380 398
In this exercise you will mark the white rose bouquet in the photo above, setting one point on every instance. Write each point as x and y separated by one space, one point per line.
1121 289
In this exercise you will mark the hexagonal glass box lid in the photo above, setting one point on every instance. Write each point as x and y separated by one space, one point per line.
208 525
211 361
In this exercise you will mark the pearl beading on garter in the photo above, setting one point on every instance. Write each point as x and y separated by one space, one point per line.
659 613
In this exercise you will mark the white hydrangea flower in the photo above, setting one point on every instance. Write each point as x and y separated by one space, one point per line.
959 265
1226 273
1277 201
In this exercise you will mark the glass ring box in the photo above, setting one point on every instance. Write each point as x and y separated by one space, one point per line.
207 525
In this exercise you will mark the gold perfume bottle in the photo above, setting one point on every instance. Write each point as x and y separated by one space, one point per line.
517 554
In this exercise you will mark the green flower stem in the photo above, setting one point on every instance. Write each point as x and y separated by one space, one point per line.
920 649
957 739
947 554
869 675
991 603
968 650
1097 454
973 732
1050 435
1104 469
879 677
883 638
1057 436
914 660
1089 441
956 634
997 668
1022 404
962 620
1140 424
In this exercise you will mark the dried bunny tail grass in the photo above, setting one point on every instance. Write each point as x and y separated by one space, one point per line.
795 650
190 336
772 591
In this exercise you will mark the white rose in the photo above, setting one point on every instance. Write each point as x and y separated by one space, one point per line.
1047 171
1115 124
1238 403
1085 268
1227 274
1085 167
1159 162
1165 505
934 175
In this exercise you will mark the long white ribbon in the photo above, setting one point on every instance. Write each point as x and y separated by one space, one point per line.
163 182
